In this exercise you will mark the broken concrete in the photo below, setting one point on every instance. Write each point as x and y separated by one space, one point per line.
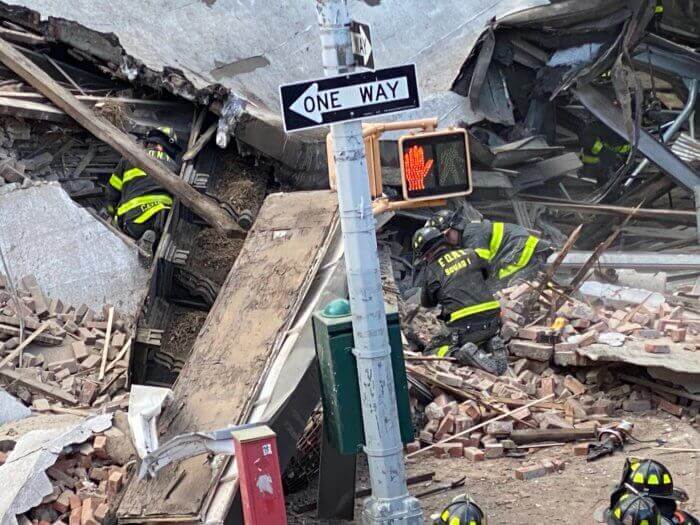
73 256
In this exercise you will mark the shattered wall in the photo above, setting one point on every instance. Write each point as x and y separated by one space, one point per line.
206 49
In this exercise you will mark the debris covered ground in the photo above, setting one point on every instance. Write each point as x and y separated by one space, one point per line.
608 332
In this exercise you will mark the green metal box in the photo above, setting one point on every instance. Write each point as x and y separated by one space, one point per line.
340 393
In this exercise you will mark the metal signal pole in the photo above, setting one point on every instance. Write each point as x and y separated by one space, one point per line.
390 502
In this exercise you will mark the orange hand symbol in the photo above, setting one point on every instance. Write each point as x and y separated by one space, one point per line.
416 167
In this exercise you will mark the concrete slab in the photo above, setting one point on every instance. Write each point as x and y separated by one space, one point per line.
73 256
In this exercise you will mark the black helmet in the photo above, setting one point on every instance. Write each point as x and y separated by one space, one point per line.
166 137
424 239
651 478
634 509
442 220
462 511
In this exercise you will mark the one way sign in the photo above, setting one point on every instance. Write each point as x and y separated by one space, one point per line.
349 97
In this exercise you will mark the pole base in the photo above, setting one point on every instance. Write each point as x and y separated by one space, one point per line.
404 511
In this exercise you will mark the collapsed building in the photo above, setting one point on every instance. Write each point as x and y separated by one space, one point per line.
226 321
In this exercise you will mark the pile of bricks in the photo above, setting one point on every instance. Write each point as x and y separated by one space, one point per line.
85 484
61 365
533 335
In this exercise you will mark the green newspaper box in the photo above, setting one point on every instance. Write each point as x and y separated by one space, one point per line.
340 393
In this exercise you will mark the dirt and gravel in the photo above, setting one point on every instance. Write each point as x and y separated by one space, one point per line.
570 497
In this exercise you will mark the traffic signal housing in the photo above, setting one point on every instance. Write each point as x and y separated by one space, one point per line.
435 165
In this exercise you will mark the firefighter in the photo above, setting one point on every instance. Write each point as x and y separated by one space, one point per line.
138 204
602 151
512 253
462 511
652 479
455 279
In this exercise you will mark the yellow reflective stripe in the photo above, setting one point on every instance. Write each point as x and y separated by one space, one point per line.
525 257
132 174
496 239
483 253
475 309
589 159
116 182
597 147
638 478
445 515
144 200
653 479
442 351
667 479
454 520
658 9
150 213
618 513
644 522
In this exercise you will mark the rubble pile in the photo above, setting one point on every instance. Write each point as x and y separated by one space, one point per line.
86 477
578 395
577 325
70 357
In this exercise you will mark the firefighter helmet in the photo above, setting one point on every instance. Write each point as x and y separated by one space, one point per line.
442 220
651 478
424 239
166 137
462 511
634 509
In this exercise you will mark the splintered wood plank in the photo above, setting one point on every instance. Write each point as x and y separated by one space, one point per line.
237 344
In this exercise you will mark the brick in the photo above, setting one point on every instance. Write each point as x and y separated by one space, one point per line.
473 454
432 425
580 449
413 446
499 428
70 364
636 405
445 427
471 410
657 348
454 450
118 340
449 379
425 437
533 333
75 516
62 503
573 408
677 335
100 446
669 407
574 385
547 386
88 392
467 441
570 358
86 513
80 351
62 374
584 339
509 315
493 450
41 405
533 472
3 458
580 324
91 361
101 512
552 420
603 407
509 329
433 411
75 502
530 350
462 423
628 328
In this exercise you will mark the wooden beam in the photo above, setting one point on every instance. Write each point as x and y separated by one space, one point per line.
105 348
36 386
105 131
17 351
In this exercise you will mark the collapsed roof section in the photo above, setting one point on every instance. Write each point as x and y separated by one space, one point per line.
234 55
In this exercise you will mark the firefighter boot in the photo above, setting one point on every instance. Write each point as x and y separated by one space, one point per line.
471 355
146 243
497 347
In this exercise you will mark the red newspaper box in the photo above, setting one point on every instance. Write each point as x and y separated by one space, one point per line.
259 476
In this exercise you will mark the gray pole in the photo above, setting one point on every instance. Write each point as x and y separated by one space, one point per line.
390 502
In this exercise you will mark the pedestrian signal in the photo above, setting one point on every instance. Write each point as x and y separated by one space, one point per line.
435 165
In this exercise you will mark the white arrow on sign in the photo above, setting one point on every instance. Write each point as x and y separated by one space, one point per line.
362 44
312 104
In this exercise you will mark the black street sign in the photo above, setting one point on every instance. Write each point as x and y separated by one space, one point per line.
349 97
362 44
